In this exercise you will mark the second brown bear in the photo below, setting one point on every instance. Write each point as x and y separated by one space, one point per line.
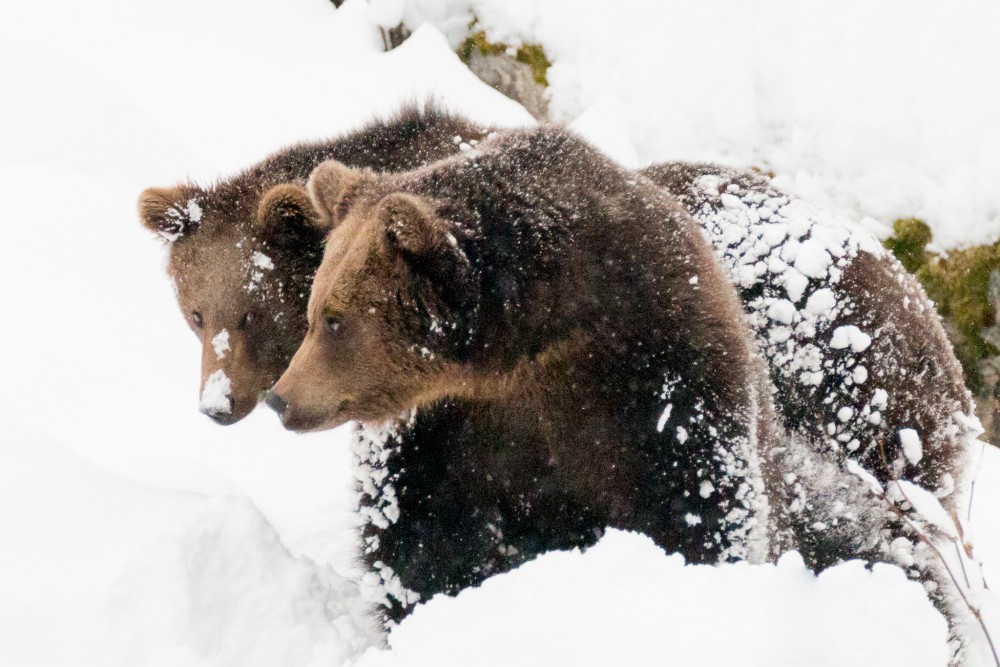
575 311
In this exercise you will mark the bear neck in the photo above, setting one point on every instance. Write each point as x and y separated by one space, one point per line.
588 276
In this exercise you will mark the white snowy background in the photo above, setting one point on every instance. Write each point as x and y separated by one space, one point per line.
133 531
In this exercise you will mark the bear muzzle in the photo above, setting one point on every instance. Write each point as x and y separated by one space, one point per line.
223 405
224 418
275 402
295 418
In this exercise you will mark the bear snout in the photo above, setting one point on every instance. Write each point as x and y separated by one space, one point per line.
217 398
276 403
223 418
293 417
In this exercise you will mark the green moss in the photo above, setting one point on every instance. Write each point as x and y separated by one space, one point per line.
959 284
533 56
477 42
909 239
530 54
762 171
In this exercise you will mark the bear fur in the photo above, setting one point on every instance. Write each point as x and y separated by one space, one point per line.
574 310
865 378
526 221
243 251
852 340
249 246
432 527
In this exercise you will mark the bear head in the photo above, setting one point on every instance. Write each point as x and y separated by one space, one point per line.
241 256
392 309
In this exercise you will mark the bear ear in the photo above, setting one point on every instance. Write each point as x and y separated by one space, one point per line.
329 186
170 212
285 212
424 239
411 226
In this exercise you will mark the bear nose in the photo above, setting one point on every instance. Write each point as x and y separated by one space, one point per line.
276 403
219 415
223 418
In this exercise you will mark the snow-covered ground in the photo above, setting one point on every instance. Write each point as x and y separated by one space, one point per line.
887 109
134 531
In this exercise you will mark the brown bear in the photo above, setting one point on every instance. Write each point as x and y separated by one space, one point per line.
853 342
863 370
575 308
552 291
242 255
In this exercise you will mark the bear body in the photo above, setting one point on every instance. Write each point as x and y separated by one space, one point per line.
540 208
864 375
575 314
853 343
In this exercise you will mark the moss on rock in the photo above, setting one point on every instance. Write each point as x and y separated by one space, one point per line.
531 55
908 243
959 284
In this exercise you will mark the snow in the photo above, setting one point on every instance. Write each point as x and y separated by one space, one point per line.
180 218
662 422
850 336
912 448
879 398
928 506
106 570
625 602
821 301
882 110
601 124
136 532
215 393
782 311
220 343
812 259
262 261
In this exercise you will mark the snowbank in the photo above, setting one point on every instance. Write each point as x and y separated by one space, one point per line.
625 602
98 569
885 109
107 571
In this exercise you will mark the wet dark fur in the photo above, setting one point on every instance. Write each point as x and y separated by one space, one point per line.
910 357
569 252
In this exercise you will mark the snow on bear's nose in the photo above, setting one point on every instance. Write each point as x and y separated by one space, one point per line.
215 397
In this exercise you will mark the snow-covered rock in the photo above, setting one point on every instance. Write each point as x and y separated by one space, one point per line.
884 109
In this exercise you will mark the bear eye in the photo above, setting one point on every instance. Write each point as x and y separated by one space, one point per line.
333 325
243 321
196 316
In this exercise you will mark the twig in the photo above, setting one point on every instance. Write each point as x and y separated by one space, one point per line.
972 485
976 613
961 561
973 609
